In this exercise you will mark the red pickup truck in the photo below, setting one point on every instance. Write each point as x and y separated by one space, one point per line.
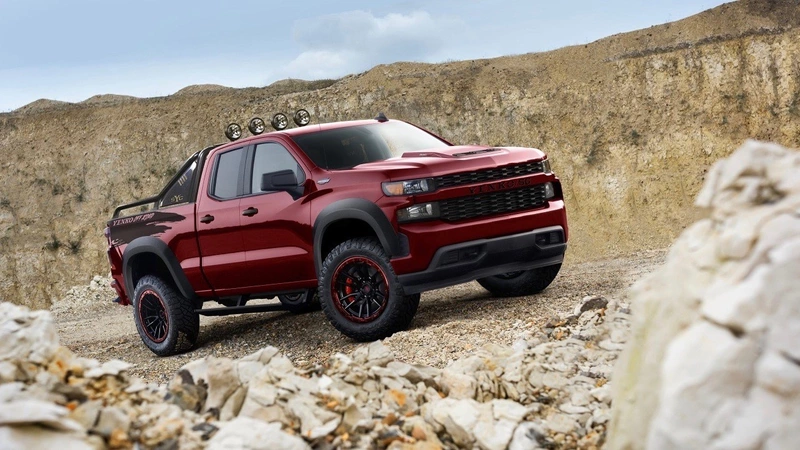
359 217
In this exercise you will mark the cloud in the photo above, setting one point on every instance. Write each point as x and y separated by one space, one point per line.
338 44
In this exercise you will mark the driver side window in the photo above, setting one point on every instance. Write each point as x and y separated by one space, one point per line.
273 157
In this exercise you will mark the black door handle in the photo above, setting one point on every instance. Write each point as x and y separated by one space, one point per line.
250 212
207 219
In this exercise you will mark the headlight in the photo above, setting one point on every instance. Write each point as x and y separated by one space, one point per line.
546 166
302 117
409 187
257 125
421 211
280 121
233 131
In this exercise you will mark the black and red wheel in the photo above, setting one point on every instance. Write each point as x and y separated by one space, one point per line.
524 282
165 320
300 302
360 293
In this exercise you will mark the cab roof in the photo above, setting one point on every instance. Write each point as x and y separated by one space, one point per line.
308 129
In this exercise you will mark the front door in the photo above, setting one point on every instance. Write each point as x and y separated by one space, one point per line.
277 232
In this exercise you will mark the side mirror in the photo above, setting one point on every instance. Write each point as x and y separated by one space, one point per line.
282 180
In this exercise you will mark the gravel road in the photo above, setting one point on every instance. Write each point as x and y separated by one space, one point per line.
450 322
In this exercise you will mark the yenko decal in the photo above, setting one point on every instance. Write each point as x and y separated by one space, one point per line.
123 231
134 219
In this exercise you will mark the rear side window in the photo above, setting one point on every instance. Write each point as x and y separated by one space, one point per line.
273 157
181 189
227 173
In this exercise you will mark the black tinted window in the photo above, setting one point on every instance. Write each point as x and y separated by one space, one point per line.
343 148
272 157
227 173
181 189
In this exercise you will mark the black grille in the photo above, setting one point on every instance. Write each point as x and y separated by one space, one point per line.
495 203
498 173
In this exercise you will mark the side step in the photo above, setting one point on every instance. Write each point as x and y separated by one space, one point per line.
228 310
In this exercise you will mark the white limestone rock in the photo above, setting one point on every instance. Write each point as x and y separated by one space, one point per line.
111 368
244 433
713 357
35 437
28 337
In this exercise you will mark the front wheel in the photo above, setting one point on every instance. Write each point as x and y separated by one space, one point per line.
165 320
524 282
360 293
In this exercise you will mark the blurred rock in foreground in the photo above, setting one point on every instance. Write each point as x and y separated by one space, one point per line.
714 360
550 390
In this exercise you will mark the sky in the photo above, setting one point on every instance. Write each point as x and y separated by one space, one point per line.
70 50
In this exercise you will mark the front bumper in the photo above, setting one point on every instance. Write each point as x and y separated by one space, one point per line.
467 261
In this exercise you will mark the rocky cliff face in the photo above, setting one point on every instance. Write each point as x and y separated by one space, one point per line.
631 122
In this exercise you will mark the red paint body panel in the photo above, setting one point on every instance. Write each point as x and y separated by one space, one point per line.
279 240
273 250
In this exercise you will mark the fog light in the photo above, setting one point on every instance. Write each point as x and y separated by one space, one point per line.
549 238
421 211
233 131
549 191
257 125
302 117
280 121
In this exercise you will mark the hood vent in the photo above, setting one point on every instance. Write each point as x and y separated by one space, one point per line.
475 152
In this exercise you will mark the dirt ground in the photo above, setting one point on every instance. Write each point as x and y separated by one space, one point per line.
449 323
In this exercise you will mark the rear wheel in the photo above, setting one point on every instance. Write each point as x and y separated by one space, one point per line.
300 302
360 293
524 282
166 321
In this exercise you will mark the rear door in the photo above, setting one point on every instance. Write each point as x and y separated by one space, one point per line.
223 258
277 231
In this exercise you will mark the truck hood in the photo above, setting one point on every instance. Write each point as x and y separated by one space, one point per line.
447 160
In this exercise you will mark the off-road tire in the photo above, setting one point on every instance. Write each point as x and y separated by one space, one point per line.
300 303
182 322
398 309
527 282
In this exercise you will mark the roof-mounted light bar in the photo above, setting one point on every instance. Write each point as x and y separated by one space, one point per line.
258 126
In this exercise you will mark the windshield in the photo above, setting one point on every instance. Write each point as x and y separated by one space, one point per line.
343 148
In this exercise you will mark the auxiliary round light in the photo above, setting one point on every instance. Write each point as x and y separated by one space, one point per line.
257 125
302 117
280 121
233 131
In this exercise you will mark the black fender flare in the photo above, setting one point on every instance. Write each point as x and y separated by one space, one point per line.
157 247
359 209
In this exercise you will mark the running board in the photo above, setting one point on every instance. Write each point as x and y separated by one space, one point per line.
228 310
